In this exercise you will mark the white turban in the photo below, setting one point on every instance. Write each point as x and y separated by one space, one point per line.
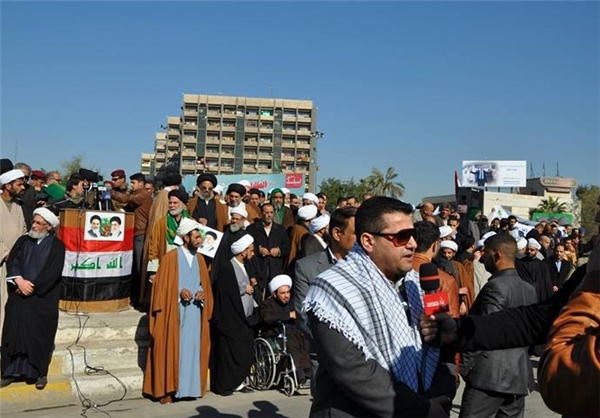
449 244
186 225
319 223
48 216
285 190
218 189
241 244
480 243
445 231
488 234
244 183
11 175
307 212
311 196
514 233
521 243
240 211
532 242
278 281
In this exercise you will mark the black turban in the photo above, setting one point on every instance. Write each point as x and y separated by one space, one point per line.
206 177
179 194
236 187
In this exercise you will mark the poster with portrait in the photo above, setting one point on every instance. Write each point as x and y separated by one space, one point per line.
211 238
494 173
104 226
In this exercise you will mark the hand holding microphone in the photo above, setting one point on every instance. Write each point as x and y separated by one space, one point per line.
434 300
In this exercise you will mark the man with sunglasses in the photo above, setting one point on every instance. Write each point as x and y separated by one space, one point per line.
363 314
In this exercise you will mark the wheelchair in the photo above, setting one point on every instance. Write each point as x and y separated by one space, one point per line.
273 366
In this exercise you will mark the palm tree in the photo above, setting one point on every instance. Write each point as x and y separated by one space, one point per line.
552 205
383 184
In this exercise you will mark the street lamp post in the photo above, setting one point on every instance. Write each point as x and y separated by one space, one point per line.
313 168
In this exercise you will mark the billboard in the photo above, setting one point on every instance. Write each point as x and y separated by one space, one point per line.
494 173
264 182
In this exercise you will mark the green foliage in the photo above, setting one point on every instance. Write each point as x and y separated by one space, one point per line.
552 205
378 183
73 165
588 196
335 188
384 184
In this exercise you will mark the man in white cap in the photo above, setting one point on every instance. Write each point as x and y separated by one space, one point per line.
318 240
309 199
34 267
181 306
277 309
448 249
299 232
234 319
12 224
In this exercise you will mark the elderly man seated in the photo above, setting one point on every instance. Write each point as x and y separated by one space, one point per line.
278 309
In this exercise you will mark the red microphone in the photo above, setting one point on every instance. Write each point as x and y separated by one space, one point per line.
434 301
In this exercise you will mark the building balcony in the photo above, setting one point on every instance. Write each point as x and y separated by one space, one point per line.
190 127
173 132
229 115
288 158
266 117
214 113
212 140
189 140
228 128
289 131
266 130
302 145
226 169
190 112
173 145
214 127
188 153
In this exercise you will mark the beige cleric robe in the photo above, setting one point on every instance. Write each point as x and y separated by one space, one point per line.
12 226
161 377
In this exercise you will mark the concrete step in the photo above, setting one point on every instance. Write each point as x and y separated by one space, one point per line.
126 325
107 355
97 388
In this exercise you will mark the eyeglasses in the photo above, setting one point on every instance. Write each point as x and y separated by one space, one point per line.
400 238
116 178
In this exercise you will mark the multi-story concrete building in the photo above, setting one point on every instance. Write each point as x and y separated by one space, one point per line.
238 135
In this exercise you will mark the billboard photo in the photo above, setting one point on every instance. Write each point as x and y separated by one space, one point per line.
494 174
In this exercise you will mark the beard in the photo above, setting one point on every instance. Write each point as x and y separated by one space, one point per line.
176 212
234 227
37 235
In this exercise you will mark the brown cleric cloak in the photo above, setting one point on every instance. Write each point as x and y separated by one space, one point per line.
162 366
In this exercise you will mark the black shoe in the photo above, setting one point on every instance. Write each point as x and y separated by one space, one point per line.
226 393
6 381
41 383
246 389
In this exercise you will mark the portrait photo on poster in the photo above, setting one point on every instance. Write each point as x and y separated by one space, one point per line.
103 226
211 238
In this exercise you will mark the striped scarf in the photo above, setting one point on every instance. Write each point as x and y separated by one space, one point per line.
356 299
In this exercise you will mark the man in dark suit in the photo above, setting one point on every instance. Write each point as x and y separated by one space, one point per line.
498 381
558 266
481 174
273 246
342 238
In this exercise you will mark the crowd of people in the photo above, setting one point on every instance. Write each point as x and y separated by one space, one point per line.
344 280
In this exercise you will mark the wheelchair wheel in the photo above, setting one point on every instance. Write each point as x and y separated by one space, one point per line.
289 385
262 373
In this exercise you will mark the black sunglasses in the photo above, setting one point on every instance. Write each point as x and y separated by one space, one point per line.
400 238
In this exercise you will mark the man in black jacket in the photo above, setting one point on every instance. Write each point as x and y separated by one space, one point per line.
498 381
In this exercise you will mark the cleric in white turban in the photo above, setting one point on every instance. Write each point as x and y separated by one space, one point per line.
48 216
306 213
241 244
186 225
533 243
278 281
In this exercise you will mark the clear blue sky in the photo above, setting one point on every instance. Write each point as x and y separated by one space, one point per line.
415 86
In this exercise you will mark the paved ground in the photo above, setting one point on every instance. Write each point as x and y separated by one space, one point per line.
267 404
